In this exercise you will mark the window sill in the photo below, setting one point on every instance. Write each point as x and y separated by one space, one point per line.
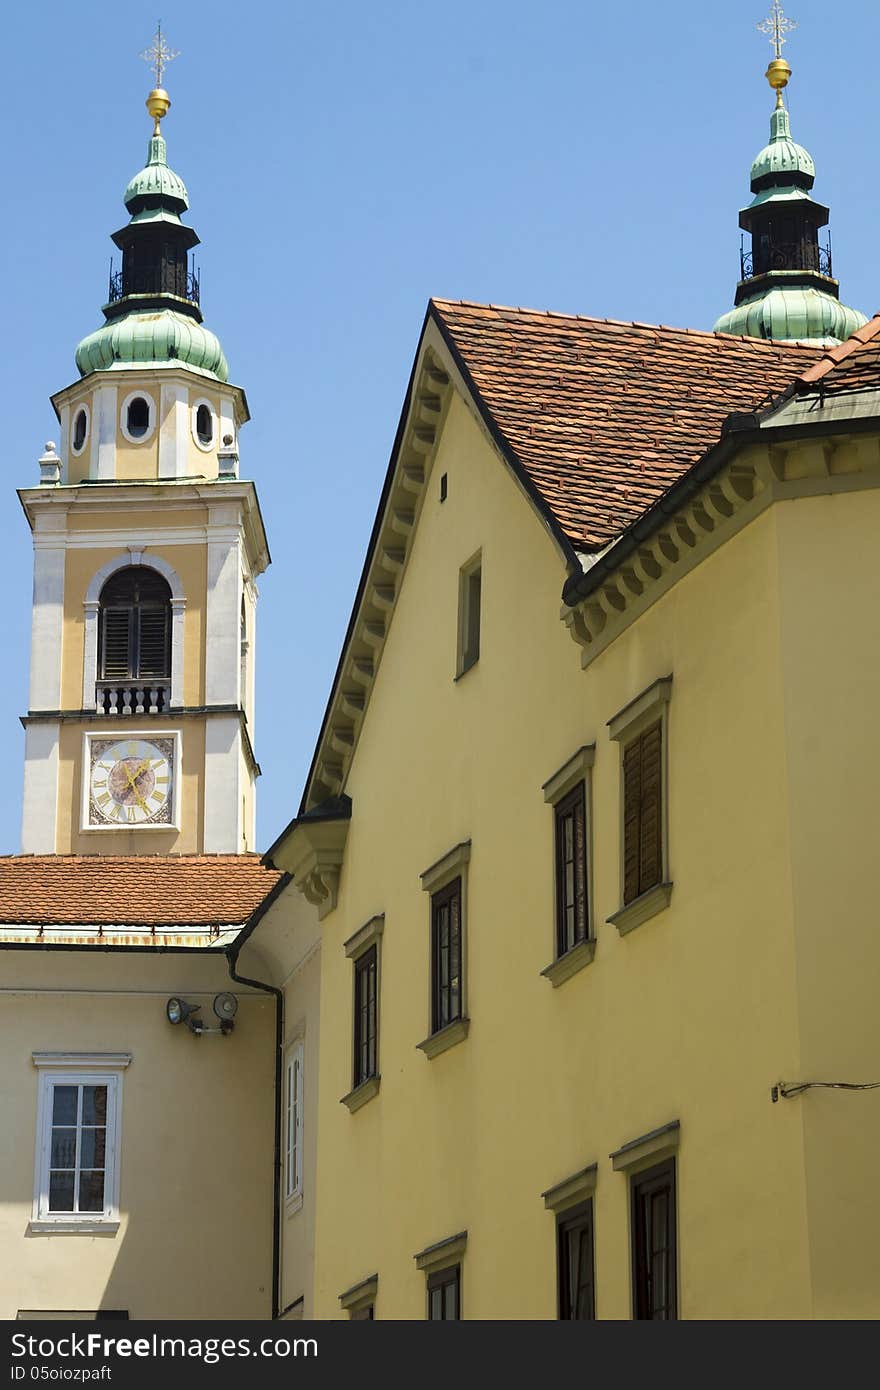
72 1226
441 1041
361 1094
293 1204
641 908
569 964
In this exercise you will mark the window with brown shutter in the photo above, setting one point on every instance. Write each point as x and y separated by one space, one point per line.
572 915
655 1286
643 812
134 632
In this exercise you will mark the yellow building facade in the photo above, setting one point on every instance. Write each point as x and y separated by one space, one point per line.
668 1040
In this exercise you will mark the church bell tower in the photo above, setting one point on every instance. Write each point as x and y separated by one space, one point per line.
147 548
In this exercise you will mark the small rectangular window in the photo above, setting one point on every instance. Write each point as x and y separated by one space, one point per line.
444 1295
469 603
655 1293
574 1235
572 914
446 955
293 1108
365 1015
78 1147
643 812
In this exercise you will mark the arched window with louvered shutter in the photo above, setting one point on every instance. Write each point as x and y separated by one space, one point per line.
134 628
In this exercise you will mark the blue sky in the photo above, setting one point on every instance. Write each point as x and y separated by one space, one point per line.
345 162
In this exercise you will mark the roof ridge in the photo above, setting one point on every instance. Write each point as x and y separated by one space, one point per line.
832 357
774 344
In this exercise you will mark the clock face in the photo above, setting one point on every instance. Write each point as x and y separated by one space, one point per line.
131 781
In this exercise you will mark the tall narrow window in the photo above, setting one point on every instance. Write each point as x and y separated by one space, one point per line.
77 1146
444 1295
572 919
365 1015
470 593
655 1294
446 955
134 631
293 1123
574 1234
643 812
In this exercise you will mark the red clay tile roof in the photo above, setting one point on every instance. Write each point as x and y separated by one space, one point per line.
138 890
851 365
604 416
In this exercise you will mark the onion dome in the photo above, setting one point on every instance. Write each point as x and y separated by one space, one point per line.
163 338
786 289
782 160
156 183
797 314
153 311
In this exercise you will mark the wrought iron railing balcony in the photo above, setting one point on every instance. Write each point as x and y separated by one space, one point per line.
132 697
146 284
787 256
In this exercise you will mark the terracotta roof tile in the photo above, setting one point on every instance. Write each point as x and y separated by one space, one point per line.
139 890
604 416
851 364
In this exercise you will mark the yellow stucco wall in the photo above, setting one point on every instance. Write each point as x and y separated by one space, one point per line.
690 1017
140 459
195 1238
831 668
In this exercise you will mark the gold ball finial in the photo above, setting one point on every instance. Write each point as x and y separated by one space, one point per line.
778 74
158 103
158 55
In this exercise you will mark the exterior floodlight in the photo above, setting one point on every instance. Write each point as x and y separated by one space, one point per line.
225 1007
178 1011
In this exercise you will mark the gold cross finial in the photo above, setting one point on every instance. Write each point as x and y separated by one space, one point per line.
776 26
159 55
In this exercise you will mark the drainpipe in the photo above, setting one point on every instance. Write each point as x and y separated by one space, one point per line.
232 963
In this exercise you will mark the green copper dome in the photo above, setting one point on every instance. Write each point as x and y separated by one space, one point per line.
153 311
156 182
782 156
161 338
787 289
799 314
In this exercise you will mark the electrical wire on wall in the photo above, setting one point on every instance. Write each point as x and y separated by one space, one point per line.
788 1089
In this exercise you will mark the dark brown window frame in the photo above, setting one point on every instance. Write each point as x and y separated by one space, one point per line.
572 808
443 900
439 1281
644 819
129 596
470 613
365 1061
570 1223
644 1187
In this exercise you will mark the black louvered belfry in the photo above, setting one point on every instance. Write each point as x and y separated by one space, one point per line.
134 633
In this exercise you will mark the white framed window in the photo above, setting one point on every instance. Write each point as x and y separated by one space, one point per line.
79 1113
137 417
203 423
293 1124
